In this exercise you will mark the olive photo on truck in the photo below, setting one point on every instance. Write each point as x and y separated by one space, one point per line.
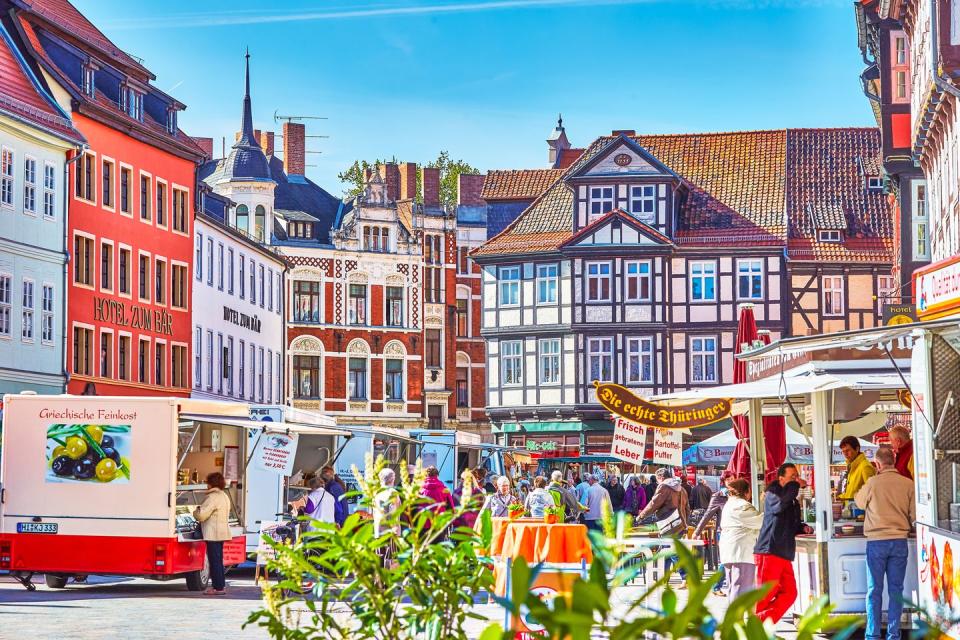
98 453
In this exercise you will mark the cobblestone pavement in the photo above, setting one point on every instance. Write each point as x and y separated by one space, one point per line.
134 609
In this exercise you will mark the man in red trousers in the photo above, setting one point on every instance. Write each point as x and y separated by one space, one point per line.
776 545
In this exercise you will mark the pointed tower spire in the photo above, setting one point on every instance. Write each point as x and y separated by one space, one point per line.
246 129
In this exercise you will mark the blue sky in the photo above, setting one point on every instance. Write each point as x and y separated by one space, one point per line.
485 79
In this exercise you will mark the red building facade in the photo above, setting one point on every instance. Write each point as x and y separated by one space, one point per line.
131 203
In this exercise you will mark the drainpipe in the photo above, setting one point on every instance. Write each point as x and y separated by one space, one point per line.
78 153
939 80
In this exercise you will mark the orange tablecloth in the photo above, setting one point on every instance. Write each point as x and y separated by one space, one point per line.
537 541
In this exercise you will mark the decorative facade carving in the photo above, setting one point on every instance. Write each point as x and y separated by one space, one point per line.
394 348
358 346
306 345
357 277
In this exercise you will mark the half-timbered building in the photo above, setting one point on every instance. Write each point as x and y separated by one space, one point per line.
631 266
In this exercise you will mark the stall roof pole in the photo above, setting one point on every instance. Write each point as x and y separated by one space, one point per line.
822 457
758 458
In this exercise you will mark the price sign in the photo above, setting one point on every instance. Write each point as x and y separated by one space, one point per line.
275 452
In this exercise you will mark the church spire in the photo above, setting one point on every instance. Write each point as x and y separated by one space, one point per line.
246 130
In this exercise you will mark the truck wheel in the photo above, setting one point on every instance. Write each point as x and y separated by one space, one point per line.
54 581
197 580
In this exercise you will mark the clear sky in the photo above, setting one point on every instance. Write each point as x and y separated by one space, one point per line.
485 79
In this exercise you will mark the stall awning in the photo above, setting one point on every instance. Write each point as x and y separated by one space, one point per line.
383 432
256 425
557 426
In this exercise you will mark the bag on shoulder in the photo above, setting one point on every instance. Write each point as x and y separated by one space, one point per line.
671 525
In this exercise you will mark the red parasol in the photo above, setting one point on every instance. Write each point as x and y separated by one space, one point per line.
774 436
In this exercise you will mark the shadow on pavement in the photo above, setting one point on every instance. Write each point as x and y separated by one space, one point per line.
115 588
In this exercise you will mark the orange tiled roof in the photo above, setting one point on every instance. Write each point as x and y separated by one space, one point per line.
517 184
745 188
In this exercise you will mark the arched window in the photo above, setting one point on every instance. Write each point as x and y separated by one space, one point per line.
306 355
259 221
243 218
358 353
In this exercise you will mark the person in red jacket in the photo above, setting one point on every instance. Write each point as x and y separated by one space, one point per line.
440 498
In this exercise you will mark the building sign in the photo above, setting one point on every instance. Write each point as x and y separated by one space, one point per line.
936 289
548 445
668 447
629 441
133 316
894 314
622 402
241 319
775 363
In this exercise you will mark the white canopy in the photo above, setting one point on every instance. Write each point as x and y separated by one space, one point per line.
719 448
256 425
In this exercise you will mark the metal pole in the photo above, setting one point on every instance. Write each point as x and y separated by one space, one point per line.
757 451
822 454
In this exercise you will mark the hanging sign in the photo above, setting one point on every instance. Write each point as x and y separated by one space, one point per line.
936 288
622 402
629 441
668 447
275 452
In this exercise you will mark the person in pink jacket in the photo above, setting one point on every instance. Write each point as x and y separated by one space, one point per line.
436 492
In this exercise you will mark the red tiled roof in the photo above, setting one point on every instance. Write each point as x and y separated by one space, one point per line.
743 189
23 98
65 16
517 184
567 157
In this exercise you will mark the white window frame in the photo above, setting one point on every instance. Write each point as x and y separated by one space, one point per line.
640 348
831 289
604 202
548 283
875 183
595 271
29 185
643 195
49 190
549 359
198 357
47 307
198 257
640 277
829 235
703 270
704 354
920 218
8 171
753 271
600 351
208 355
220 262
230 270
886 289
511 361
28 307
6 305
508 294
210 261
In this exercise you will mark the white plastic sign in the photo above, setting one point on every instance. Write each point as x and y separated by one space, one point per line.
629 441
668 447
275 452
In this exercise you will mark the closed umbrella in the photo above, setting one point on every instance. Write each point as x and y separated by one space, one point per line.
746 335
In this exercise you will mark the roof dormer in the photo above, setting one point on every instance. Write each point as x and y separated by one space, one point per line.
829 221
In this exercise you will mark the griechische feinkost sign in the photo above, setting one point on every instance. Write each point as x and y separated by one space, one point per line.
622 402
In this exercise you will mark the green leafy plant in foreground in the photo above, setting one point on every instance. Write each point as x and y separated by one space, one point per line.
416 579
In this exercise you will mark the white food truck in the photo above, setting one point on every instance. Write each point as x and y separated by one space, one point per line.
107 485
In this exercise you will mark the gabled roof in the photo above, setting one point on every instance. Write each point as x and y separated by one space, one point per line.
625 218
517 184
619 141
744 189
23 97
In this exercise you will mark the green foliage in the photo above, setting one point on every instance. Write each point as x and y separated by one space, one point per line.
355 176
589 611
417 579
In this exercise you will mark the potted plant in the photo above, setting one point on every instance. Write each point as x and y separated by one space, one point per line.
515 510
552 514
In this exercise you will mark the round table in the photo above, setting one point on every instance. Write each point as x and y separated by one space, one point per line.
536 541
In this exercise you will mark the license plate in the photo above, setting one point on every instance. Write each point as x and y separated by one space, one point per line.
36 527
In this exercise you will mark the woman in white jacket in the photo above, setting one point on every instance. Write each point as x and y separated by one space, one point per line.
740 522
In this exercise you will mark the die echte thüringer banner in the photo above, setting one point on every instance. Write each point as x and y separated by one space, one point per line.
622 402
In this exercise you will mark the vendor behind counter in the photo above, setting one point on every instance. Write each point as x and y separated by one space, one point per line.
859 469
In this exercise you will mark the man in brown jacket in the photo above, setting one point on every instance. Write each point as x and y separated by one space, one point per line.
888 499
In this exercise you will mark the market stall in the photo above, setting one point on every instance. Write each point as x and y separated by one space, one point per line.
719 449
828 392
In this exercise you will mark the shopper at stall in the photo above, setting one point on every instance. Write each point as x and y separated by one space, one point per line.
741 524
595 496
700 495
776 545
213 514
903 448
859 469
888 499
668 499
565 497
616 492
581 489
650 487
337 488
385 503
320 505
434 491
635 497
539 499
498 504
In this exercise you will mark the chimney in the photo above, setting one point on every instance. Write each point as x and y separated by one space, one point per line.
294 150
266 143
626 132
469 187
256 136
390 173
408 180
207 145
431 187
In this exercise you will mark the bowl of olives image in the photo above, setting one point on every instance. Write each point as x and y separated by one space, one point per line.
88 453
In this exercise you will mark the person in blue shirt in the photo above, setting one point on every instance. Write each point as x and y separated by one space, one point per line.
595 496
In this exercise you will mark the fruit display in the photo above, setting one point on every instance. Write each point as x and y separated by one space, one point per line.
88 453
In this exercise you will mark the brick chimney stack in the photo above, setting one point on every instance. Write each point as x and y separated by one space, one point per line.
258 136
267 142
431 187
294 148
390 173
408 180
207 145
469 187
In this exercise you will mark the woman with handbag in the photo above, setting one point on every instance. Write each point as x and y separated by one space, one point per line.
214 518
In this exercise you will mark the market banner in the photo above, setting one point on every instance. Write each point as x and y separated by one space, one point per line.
623 402
629 441
275 452
668 447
